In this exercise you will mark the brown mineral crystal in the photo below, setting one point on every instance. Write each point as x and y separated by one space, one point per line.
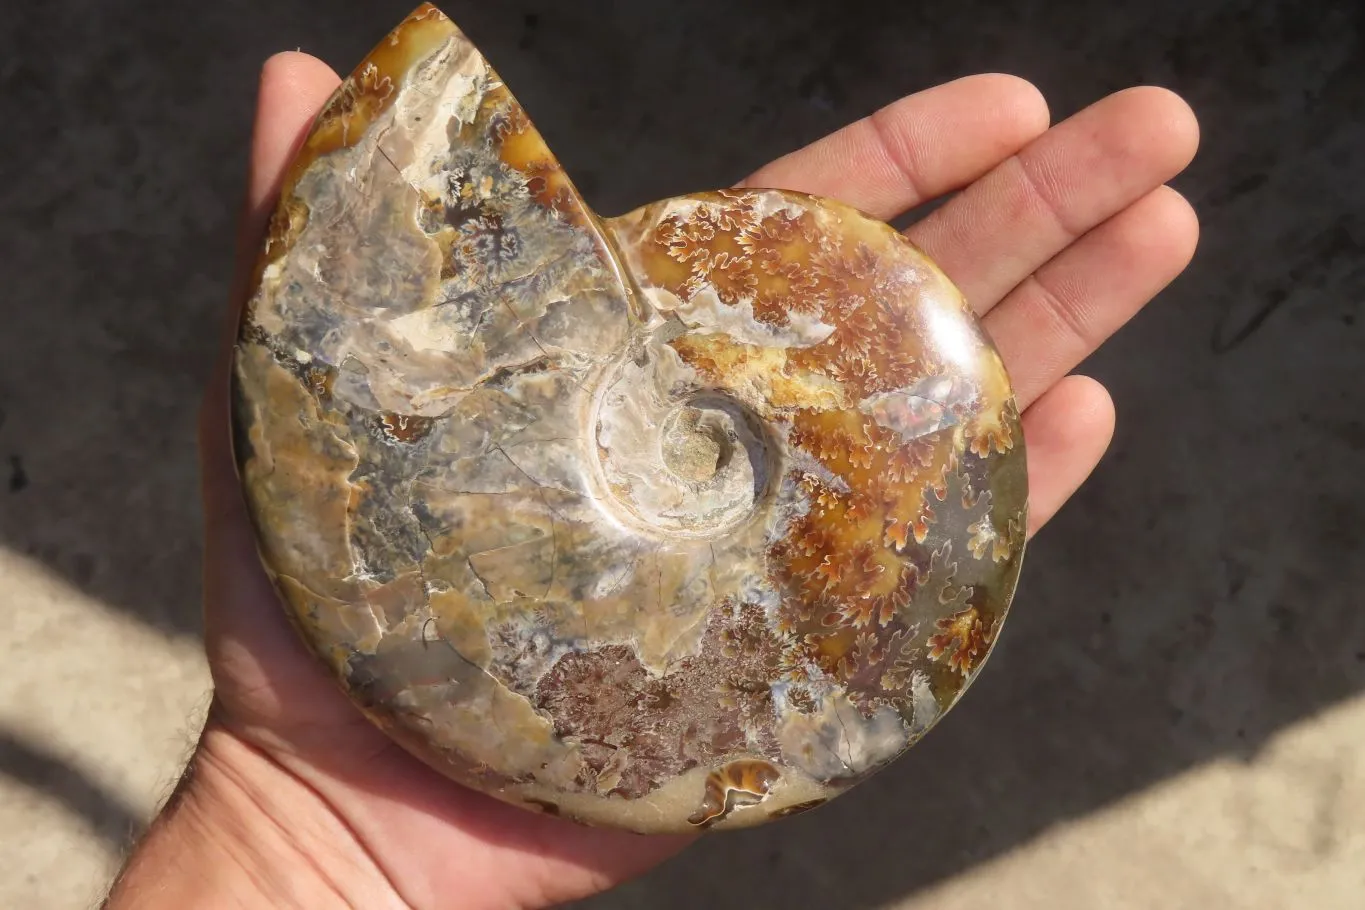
689 518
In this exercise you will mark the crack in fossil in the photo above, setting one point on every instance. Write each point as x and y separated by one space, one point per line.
625 572
540 487
846 740
511 370
483 582
524 327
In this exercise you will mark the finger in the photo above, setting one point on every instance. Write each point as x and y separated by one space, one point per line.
917 148
1079 174
1059 315
293 88
1067 430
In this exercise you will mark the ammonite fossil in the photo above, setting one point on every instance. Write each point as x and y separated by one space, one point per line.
690 518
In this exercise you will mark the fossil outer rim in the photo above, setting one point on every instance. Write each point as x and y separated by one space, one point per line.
690 518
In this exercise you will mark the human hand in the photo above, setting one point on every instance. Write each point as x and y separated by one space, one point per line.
1057 236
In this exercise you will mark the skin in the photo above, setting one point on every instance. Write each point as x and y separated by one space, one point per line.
1058 234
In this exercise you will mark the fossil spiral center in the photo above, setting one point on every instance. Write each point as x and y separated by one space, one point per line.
678 461
696 444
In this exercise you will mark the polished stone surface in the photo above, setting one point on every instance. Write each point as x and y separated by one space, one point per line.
1184 698
693 517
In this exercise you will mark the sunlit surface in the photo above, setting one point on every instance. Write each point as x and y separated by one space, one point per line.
117 704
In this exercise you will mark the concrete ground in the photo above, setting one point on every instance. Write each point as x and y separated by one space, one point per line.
1176 714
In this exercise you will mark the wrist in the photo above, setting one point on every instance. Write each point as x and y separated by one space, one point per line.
242 831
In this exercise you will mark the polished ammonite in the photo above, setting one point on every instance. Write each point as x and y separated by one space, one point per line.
690 518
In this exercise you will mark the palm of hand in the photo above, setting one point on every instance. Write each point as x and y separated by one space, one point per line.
1058 236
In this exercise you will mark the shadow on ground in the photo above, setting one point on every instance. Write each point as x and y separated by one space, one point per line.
109 818
1198 596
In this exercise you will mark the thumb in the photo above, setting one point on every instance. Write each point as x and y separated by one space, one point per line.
293 88
248 648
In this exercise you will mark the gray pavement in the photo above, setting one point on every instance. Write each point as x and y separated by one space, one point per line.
1176 713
